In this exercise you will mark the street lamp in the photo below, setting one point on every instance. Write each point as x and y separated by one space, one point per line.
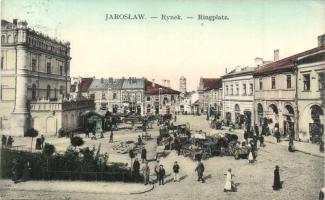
159 100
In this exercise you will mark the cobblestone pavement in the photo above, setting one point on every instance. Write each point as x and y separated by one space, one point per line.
302 176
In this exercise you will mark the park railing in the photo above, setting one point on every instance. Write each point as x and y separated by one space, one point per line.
59 168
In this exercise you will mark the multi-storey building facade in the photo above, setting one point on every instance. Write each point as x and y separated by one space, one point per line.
238 95
276 95
311 95
208 94
160 99
34 68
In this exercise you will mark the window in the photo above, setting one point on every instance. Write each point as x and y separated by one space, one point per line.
237 89
148 98
48 92
114 95
306 82
61 70
33 92
273 82
226 92
261 84
2 39
103 95
244 89
288 81
55 93
231 90
2 63
251 89
61 89
321 81
48 68
33 65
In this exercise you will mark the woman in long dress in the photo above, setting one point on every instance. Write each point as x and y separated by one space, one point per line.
277 183
250 157
228 181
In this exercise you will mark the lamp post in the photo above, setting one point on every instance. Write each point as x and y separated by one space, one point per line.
159 100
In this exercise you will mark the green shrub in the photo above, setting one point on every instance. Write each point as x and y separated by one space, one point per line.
48 149
76 141
62 133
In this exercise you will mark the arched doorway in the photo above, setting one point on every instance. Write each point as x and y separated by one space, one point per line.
237 114
288 122
316 128
51 125
273 116
260 114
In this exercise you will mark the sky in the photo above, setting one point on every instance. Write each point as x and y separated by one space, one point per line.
154 48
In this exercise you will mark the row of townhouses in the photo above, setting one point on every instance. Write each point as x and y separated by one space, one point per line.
135 95
289 93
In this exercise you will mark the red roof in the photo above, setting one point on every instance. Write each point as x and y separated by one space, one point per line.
84 85
210 83
153 89
286 64
317 57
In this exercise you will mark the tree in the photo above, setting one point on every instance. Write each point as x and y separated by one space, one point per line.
76 141
48 149
32 133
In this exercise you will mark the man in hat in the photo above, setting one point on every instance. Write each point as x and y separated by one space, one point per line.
144 154
161 175
146 173
200 169
176 171
156 169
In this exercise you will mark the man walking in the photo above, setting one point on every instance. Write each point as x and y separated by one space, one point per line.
144 154
156 169
277 134
176 171
111 137
3 142
146 173
200 169
256 129
161 175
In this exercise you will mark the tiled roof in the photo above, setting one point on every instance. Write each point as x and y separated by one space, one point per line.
133 83
210 83
316 57
242 71
286 64
104 84
153 89
84 85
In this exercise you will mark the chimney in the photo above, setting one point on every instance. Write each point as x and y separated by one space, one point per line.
102 80
153 82
14 21
168 83
321 40
276 54
226 70
258 62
